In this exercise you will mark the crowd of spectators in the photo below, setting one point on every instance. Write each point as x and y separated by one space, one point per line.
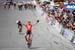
63 16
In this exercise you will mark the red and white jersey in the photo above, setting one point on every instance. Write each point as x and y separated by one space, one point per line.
28 27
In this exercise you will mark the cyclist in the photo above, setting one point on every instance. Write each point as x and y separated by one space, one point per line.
28 36
19 26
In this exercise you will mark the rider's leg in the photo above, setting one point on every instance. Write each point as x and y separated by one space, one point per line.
20 29
30 37
26 37
29 40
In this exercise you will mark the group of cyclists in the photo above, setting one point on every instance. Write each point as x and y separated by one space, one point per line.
28 26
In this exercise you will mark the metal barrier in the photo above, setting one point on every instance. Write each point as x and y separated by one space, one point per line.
68 34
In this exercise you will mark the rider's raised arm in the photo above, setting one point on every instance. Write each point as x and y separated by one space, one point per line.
36 23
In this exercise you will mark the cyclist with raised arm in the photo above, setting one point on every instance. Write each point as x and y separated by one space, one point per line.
28 35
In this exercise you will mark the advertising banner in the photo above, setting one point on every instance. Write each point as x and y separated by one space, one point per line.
70 6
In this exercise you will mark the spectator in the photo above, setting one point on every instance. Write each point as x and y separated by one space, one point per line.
14 4
20 6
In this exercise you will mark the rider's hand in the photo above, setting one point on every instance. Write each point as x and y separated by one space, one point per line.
37 21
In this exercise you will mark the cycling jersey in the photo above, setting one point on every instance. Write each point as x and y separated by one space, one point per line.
28 27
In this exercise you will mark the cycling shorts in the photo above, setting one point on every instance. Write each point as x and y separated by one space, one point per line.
28 32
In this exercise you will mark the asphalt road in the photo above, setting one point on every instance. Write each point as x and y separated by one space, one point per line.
45 37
